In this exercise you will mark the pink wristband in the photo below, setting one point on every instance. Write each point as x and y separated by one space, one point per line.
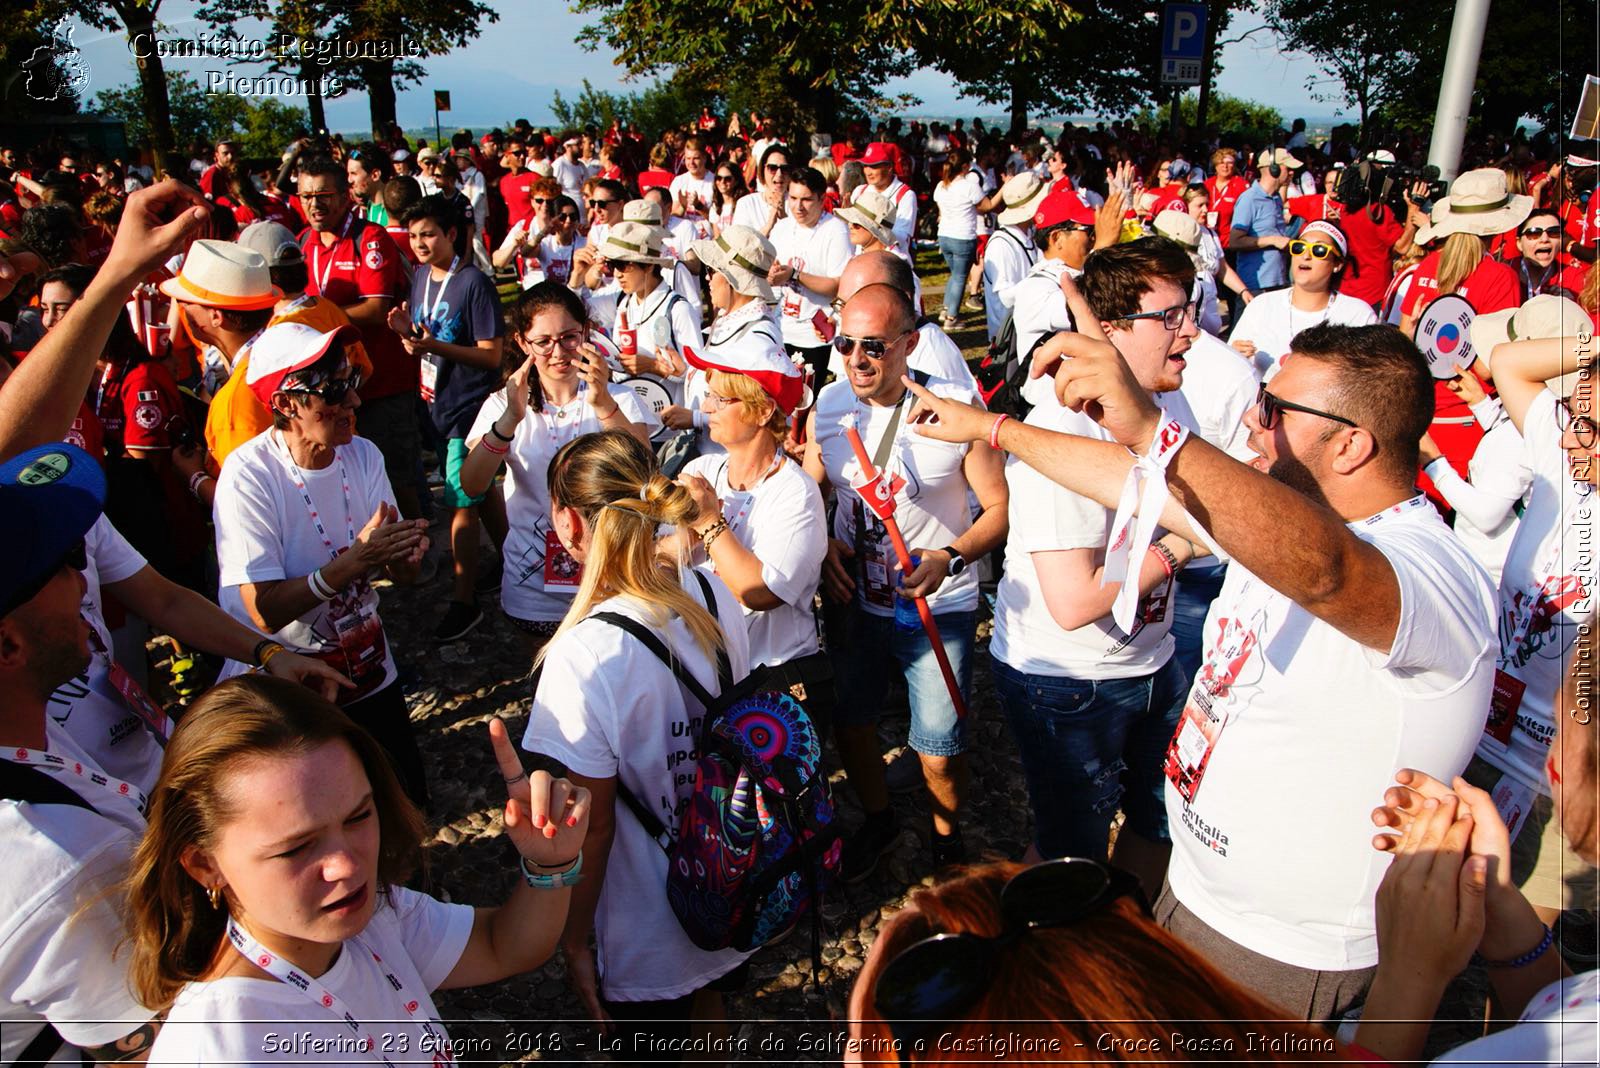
994 431
498 450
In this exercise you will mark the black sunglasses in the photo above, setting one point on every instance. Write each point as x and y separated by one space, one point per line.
1541 231
1270 409
874 347
600 203
934 981
334 391
568 215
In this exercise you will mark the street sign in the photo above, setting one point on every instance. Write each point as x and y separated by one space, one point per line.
1183 43
441 100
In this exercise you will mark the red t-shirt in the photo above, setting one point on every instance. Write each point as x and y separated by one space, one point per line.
139 408
363 262
402 241
1312 208
1171 196
1221 197
518 193
652 178
87 433
1491 287
1371 265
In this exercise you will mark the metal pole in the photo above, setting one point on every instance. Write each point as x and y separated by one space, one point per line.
438 135
1455 88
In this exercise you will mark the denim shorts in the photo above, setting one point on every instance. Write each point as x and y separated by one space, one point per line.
1090 746
866 659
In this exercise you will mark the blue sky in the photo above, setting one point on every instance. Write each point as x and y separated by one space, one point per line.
513 69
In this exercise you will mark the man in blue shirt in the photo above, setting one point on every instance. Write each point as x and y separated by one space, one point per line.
1258 234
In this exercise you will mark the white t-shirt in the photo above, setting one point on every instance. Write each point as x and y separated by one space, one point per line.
752 210
904 200
1045 518
958 202
1270 322
607 707
931 507
571 176
265 533
782 522
1211 262
540 435
680 234
55 961
1220 386
822 250
88 709
555 259
1549 578
249 1020
1557 1027
1312 707
1011 253
1486 507
688 185
1041 311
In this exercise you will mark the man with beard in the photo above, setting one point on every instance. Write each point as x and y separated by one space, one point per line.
1353 636
1540 265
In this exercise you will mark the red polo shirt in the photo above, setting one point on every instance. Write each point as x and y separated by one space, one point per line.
363 262
1221 197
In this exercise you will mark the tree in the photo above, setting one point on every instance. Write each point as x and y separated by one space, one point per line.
1245 119
663 105
261 126
1362 45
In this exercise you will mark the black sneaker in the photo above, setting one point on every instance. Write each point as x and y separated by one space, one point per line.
489 577
949 851
861 852
458 621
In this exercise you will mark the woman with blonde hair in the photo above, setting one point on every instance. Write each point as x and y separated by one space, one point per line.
613 714
268 889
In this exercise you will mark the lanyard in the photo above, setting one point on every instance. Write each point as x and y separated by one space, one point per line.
311 507
289 975
36 758
555 421
736 519
333 254
444 285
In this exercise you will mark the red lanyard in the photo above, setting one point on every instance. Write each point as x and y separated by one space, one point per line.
333 254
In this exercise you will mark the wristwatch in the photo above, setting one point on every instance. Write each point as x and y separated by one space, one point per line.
958 563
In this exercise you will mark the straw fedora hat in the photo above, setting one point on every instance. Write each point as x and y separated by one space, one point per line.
221 274
1020 198
743 257
636 242
873 212
1479 203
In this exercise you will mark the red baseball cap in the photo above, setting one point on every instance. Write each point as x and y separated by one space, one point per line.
771 368
877 154
1062 205
286 348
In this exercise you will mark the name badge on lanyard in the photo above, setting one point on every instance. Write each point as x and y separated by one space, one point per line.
1206 713
562 574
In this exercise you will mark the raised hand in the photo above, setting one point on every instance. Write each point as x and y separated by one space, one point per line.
546 818
945 419
517 390
157 223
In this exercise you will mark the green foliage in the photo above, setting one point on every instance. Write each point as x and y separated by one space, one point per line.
662 105
1234 117
262 126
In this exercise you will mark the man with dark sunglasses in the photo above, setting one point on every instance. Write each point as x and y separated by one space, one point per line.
1354 635
877 635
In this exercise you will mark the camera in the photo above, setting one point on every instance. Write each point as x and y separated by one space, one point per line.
1372 182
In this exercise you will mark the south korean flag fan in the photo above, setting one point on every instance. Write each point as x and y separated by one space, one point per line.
557 388
267 911
306 518
1547 585
649 322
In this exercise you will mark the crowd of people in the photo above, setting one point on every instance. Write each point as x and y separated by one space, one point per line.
1274 482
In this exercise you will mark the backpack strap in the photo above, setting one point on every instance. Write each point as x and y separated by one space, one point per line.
19 782
650 641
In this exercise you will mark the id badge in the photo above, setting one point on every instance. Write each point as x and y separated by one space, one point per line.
1503 705
875 584
562 574
1190 749
791 303
360 638
1513 801
135 697
1153 609
430 378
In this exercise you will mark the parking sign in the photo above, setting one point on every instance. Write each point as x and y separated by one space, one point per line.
1183 43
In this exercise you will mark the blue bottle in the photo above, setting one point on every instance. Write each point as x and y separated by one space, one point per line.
906 618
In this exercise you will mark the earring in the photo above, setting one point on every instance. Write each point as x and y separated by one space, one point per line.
212 894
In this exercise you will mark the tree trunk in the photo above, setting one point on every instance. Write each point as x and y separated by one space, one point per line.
378 74
1019 101
140 19
311 77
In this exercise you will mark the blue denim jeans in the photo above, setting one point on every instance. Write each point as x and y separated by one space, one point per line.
1088 747
866 660
1196 591
958 256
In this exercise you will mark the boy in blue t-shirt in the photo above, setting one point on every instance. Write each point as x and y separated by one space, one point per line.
453 323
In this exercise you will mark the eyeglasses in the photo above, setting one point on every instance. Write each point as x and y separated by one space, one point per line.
715 402
543 346
334 391
1584 430
332 194
874 347
934 981
600 203
1318 250
1171 318
1541 231
1270 409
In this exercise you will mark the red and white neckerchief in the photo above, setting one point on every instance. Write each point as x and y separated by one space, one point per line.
1144 495
317 249
314 989
39 758
311 506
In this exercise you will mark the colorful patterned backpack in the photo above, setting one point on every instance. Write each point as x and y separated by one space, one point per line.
757 847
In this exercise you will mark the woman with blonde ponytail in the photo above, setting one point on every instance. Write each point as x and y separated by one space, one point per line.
612 713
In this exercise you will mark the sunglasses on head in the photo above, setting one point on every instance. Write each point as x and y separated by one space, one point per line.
1318 250
333 391
1270 408
1541 231
874 347
934 981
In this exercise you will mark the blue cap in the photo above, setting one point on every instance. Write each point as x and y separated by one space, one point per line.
50 496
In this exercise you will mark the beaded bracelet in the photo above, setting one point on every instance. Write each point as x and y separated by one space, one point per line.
1523 961
713 532
555 880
